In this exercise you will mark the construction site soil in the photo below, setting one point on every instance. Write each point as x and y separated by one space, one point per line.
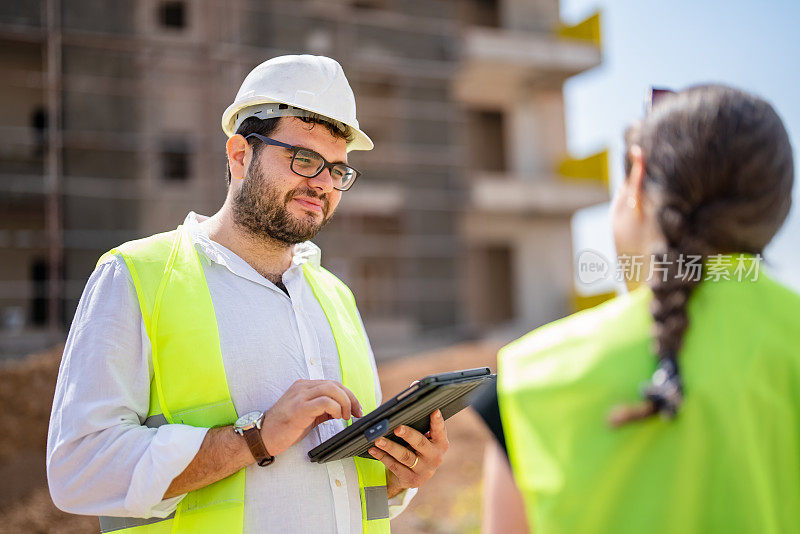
449 503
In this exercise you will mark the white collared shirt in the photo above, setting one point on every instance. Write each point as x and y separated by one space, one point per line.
102 461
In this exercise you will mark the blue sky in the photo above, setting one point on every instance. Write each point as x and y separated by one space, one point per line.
752 45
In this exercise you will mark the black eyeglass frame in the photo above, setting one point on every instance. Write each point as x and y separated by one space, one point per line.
295 149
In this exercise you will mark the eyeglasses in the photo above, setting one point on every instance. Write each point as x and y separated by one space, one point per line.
308 164
654 95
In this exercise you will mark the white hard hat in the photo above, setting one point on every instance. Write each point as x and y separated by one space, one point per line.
297 86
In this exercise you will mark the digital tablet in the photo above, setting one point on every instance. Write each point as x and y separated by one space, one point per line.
448 392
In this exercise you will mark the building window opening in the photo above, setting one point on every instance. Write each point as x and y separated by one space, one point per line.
39 304
39 125
369 4
175 162
486 141
173 15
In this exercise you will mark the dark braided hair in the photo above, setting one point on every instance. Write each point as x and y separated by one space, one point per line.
718 165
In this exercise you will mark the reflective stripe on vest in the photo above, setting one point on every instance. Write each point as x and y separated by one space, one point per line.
115 524
179 318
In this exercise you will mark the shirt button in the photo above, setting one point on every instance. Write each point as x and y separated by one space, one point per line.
338 483
311 361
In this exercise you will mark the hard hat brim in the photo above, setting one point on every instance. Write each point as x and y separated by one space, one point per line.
361 140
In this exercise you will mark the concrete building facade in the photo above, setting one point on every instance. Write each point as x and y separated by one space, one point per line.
517 228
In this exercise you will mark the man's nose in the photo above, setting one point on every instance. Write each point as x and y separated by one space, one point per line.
322 182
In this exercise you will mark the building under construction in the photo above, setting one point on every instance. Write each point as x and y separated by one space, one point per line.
110 126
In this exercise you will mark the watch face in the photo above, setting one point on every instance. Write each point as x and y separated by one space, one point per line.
248 419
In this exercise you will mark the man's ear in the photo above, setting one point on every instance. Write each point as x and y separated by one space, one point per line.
236 148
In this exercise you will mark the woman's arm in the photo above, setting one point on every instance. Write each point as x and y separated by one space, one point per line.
503 507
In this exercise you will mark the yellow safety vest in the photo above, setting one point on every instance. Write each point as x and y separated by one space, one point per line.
728 462
179 318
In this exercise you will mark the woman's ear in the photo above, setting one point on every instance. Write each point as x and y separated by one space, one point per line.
635 179
236 147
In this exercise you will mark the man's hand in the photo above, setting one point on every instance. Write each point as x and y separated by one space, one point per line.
410 468
306 404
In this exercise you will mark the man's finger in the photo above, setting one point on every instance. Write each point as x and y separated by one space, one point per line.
438 431
352 401
356 406
325 405
420 443
403 455
320 419
402 472
334 391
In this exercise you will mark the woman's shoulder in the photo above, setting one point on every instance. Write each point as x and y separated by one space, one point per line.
575 342
783 294
615 317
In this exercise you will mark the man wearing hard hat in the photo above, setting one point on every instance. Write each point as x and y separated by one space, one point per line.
204 363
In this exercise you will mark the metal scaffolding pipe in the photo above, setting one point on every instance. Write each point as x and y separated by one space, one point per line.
54 164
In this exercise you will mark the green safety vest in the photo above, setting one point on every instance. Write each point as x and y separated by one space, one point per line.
730 460
179 318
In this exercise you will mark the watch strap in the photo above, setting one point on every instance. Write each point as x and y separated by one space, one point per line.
257 448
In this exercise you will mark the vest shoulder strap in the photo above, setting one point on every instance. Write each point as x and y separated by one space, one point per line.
146 260
333 283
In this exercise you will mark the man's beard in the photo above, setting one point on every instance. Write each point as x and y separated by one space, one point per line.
260 209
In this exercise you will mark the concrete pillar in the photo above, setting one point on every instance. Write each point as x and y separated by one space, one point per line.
529 15
535 136
524 139
541 260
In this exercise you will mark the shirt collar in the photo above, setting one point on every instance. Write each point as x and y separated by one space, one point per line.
302 252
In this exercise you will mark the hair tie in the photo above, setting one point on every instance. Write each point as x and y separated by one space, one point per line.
665 390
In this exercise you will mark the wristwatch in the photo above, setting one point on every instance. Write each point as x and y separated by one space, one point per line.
249 427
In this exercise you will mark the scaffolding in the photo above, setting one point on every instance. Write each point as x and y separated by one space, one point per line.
110 131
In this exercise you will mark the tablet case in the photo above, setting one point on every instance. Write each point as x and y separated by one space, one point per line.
449 392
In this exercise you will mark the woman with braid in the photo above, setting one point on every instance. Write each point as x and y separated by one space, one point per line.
676 407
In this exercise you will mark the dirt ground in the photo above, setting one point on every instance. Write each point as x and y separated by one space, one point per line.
448 503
